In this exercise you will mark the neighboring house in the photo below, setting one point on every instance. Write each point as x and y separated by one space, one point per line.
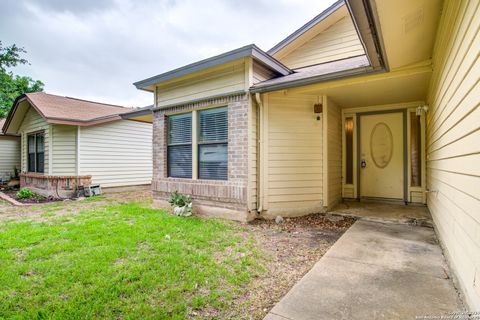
370 99
67 142
9 154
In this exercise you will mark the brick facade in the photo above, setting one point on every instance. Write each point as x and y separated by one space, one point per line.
230 194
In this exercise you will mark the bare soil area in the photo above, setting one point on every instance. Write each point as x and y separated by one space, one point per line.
291 249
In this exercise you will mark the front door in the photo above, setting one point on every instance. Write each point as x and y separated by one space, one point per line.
381 155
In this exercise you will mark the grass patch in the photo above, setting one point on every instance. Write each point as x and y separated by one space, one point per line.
121 261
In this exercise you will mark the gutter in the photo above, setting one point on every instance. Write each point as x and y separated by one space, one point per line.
260 148
316 79
137 113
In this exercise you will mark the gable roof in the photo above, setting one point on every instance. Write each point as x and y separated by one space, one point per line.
246 51
370 60
66 110
310 24
316 73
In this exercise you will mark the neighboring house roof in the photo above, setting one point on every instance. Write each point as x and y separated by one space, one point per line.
316 73
67 110
246 51
334 7
144 114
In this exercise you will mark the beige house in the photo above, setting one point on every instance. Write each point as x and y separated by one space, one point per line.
371 99
9 154
67 142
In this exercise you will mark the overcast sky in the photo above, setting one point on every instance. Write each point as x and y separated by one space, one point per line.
96 49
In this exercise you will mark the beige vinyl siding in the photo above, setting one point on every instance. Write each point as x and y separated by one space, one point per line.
64 144
9 156
453 143
334 152
33 122
117 153
227 79
294 154
339 41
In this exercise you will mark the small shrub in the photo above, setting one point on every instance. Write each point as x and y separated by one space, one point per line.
182 204
25 193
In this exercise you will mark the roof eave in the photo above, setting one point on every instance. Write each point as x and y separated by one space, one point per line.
246 51
83 123
315 79
365 20
13 109
137 113
322 16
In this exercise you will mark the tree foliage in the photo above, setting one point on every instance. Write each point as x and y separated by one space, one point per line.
11 85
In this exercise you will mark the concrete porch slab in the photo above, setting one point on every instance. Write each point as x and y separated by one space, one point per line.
384 212
374 271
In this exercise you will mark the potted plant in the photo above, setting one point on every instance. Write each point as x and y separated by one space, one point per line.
181 204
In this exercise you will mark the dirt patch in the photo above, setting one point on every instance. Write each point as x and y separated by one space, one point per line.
291 249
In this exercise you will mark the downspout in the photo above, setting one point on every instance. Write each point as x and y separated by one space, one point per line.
259 153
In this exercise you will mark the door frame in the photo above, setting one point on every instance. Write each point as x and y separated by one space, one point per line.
403 111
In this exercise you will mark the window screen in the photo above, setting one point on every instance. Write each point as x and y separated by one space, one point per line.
31 153
213 144
36 153
179 149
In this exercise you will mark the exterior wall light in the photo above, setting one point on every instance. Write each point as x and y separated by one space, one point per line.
421 110
318 109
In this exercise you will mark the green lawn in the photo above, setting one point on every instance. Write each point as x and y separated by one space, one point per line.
122 261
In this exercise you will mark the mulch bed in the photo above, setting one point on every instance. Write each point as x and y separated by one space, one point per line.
12 193
292 248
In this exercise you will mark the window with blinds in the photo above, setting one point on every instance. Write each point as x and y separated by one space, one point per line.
36 153
179 146
213 144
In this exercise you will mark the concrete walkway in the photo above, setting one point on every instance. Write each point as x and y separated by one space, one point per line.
385 212
374 271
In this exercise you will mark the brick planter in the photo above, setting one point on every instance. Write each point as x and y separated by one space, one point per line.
55 186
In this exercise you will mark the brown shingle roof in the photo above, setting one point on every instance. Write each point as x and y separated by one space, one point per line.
58 109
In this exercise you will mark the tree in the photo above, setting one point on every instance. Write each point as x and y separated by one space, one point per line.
11 86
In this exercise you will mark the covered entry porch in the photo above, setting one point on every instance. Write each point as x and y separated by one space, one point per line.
360 138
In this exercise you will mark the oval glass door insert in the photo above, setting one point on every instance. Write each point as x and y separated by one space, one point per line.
381 145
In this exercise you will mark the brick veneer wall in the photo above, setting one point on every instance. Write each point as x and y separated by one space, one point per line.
229 194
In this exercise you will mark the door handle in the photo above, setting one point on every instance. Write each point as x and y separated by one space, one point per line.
363 163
